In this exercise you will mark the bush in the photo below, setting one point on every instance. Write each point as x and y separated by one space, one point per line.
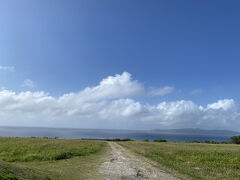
160 140
118 139
126 139
225 142
235 139
211 142
8 177
63 155
194 141
146 140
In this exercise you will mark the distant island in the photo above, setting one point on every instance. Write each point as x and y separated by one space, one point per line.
197 131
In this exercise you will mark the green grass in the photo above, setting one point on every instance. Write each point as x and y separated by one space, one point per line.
196 160
37 158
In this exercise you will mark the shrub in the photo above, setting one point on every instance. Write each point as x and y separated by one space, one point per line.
235 139
118 139
126 139
8 177
211 142
160 140
63 155
146 140
194 141
225 142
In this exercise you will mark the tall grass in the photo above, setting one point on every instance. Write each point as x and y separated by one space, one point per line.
197 160
42 158
37 149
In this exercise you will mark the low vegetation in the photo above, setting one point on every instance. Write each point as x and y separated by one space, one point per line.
159 140
18 149
118 139
56 159
235 139
43 158
196 160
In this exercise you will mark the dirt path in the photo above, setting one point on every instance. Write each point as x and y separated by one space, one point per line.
123 164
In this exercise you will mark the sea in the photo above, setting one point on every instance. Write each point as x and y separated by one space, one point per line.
68 133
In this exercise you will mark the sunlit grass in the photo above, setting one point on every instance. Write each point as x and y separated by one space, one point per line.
197 160
36 149
38 158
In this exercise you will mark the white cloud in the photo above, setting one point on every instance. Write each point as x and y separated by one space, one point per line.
161 91
108 105
28 83
7 68
196 91
222 104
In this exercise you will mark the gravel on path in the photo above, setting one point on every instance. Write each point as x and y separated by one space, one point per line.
124 165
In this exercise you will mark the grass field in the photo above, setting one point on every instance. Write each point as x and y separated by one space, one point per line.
38 158
196 160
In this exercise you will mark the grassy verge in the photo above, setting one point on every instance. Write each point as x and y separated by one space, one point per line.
196 160
37 158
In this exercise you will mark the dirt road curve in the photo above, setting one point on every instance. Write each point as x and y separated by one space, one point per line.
123 164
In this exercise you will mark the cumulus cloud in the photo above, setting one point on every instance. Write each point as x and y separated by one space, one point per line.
225 104
7 68
108 105
161 91
28 83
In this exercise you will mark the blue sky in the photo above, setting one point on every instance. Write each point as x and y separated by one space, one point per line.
67 45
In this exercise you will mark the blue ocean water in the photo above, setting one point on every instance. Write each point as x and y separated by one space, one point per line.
65 133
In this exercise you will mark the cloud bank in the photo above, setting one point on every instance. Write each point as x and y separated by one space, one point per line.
111 104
